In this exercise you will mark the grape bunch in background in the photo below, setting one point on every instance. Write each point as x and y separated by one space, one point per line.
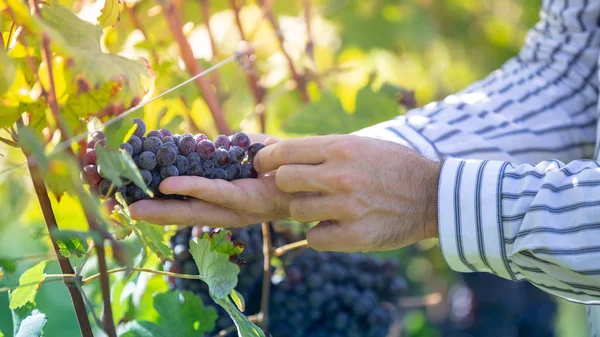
314 294
160 154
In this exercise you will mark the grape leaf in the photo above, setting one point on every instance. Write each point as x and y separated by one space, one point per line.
245 328
150 235
8 265
221 243
29 284
73 243
214 268
118 164
180 315
110 13
27 321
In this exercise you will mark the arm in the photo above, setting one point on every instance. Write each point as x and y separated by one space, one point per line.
537 223
540 104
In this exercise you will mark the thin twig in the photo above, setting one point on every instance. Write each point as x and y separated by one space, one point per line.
8 142
10 35
300 82
289 247
108 320
33 257
310 46
174 20
266 284
5 289
205 4
138 25
90 306
143 270
86 257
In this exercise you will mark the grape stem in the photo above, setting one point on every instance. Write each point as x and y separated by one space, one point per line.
263 315
87 280
289 247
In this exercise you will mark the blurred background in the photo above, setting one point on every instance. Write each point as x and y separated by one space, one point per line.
361 54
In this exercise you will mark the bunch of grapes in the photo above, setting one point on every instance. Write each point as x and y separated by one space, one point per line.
160 154
486 305
336 295
315 294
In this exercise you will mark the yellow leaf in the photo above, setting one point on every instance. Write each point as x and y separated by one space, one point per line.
110 13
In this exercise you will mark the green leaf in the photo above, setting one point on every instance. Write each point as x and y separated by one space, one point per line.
323 117
29 284
221 243
154 237
214 268
373 107
32 325
238 299
28 321
110 13
180 315
72 243
7 265
245 328
119 131
119 164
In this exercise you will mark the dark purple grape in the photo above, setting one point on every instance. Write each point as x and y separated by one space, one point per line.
199 137
206 149
152 144
219 173
168 171
193 158
182 164
90 157
221 157
128 148
104 187
154 133
134 194
166 133
154 185
100 142
208 167
91 143
222 141
242 140
187 145
195 169
136 144
176 139
166 156
97 135
136 160
247 171
237 154
140 131
90 174
253 150
147 160
168 139
172 146
233 171
147 176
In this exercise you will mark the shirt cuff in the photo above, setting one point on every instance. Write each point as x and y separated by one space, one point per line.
400 131
470 216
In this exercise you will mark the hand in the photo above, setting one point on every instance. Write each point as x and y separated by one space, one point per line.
217 203
368 194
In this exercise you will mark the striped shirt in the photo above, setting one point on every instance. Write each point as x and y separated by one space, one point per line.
519 191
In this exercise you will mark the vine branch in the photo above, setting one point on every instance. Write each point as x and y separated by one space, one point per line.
193 67
8 142
289 247
263 316
300 82
205 4
138 25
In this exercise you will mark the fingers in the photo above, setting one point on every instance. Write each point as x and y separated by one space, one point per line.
215 191
309 150
300 178
314 208
271 141
188 212
339 237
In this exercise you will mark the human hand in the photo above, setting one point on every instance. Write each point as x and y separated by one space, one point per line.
367 194
217 203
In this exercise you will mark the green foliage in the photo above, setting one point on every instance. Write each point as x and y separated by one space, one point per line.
73 243
29 283
110 13
7 266
116 165
181 314
28 322
221 243
245 328
214 268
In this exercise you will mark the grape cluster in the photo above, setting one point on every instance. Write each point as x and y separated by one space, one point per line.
317 294
486 305
335 295
160 154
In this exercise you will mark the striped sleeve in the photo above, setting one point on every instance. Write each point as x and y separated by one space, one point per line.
541 104
540 223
